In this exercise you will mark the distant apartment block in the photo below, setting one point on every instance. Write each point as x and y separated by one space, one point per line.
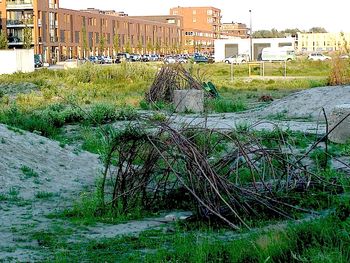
310 42
202 25
59 33
233 29
104 12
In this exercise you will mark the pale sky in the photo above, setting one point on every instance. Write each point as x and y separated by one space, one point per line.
266 14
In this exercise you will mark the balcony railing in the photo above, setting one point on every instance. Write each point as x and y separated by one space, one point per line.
19 4
53 39
15 40
20 22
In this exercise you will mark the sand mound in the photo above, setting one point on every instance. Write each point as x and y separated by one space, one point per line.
309 103
31 163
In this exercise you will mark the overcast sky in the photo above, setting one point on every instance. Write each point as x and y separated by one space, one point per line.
280 14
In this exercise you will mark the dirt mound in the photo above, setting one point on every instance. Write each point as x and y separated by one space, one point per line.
30 164
308 103
37 177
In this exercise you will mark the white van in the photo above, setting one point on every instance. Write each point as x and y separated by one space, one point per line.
278 54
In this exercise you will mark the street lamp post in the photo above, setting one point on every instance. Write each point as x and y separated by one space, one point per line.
250 35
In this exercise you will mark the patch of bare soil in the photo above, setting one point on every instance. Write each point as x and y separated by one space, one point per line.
308 103
300 111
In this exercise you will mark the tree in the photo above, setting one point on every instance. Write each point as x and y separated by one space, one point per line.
149 47
116 42
84 40
345 45
291 31
174 49
3 40
27 37
139 46
273 33
318 30
158 47
127 47
102 45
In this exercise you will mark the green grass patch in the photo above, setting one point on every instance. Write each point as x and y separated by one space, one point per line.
29 172
43 195
225 105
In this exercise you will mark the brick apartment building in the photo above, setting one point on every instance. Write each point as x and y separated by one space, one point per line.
59 33
233 29
202 25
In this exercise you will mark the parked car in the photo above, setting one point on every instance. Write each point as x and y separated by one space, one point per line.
169 60
135 57
93 59
344 56
202 59
154 57
181 59
100 60
123 56
237 59
107 60
318 57
145 58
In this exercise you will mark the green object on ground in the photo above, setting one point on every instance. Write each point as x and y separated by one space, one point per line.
210 87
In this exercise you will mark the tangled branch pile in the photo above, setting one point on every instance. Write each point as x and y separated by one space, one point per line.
226 177
170 78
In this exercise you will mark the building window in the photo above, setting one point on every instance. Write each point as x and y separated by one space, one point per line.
194 20
77 37
62 36
194 12
91 37
209 12
97 38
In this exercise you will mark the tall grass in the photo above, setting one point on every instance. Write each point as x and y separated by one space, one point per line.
225 105
340 72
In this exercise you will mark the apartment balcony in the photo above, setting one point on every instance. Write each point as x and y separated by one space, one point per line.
216 15
53 39
21 23
16 41
19 5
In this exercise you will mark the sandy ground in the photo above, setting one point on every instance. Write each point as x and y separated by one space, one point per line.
300 111
309 103
59 172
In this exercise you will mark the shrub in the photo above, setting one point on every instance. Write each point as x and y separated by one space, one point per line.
102 113
339 74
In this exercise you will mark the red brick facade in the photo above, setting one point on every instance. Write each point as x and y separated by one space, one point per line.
59 33
202 25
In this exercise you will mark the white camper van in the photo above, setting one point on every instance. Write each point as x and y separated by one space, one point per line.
278 54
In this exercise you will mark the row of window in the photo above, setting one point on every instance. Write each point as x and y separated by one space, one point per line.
210 12
94 38
199 34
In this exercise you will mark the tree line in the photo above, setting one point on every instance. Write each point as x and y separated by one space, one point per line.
274 33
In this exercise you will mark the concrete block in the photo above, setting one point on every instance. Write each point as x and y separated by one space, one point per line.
189 100
341 133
